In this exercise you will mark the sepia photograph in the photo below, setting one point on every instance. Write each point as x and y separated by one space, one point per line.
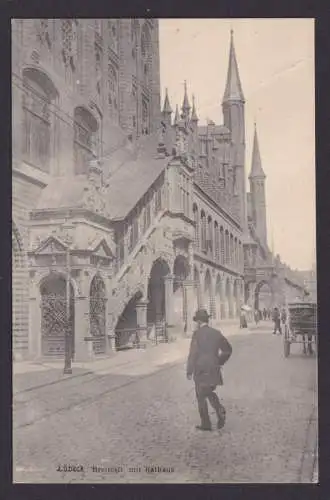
164 285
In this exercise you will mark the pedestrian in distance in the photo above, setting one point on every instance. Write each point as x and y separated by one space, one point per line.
243 321
283 316
277 321
256 316
204 364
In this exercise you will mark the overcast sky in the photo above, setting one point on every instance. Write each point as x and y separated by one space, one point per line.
276 64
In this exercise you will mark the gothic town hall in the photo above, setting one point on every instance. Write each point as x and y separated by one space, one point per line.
127 214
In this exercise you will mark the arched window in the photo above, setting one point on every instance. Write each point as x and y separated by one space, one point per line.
197 229
203 231
240 256
85 139
146 53
235 252
38 121
134 233
146 217
222 246
227 250
158 200
217 242
112 87
231 256
209 234
145 116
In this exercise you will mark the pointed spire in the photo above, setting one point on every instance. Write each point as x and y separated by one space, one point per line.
256 167
177 116
233 91
185 105
167 107
194 116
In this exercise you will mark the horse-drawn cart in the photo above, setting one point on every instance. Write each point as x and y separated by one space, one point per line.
301 327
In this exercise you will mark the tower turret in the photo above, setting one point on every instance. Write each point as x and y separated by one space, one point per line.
176 116
257 187
167 110
233 112
194 117
185 105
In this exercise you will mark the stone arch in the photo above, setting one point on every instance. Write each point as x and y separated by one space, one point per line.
20 284
156 312
54 320
263 295
97 313
41 77
126 325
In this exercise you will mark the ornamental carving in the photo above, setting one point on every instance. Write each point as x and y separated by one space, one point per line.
94 199
64 235
43 34
69 43
180 148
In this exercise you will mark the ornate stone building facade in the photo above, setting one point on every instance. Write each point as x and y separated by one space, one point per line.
123 220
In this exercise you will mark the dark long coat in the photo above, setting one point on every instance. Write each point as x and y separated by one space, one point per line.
204 360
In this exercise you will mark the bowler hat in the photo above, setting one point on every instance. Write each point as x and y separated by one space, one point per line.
201 315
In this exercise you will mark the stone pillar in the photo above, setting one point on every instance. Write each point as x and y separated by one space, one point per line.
189 292
223 305
141 317
83 349
230 300
169 299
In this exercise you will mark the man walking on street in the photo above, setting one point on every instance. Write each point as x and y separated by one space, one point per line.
204 363
277 321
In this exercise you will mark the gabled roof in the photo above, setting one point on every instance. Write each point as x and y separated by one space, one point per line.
130 183
233 90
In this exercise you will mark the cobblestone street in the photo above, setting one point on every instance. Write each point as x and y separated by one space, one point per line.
140 412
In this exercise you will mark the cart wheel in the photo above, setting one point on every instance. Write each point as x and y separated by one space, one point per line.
286 348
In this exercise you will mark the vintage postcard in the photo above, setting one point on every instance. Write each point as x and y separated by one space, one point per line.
163 241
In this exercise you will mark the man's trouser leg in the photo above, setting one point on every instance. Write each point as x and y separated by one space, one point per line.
215 403
201 395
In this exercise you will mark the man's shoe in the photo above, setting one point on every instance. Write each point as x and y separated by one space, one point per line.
203 427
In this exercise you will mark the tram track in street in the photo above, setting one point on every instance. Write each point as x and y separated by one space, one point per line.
67 379
87 401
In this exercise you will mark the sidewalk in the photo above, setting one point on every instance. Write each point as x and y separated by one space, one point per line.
32 374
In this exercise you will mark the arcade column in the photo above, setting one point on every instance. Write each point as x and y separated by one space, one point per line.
83 349
168 281
189 301
141 317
